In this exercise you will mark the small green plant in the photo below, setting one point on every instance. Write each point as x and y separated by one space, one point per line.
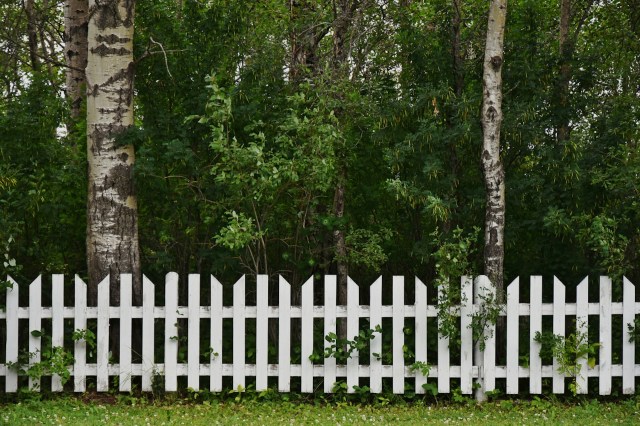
88 336
634 330
53 361
568 351
342 349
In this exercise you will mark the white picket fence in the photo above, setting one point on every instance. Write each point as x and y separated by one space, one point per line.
474 365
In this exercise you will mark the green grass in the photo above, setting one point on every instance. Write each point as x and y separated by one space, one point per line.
100 410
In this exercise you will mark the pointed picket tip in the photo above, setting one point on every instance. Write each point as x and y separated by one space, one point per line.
308 283
584 282
557 284
78 280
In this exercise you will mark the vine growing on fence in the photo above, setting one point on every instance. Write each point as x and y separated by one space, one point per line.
568 351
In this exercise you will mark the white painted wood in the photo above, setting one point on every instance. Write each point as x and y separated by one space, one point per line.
582 324
488 289
35 325
11 378
102 336
148 334
284 336
306 338
466 336
262 332
398 334
171 332
126 299
80 345
421 331
398 311
353 328
330 370
57 322
444 362
628 348
535 362
239 334
606 341
216 336
478 355
513 336
193 332
558 329
375 319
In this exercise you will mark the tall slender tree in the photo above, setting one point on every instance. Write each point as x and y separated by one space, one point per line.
491 162
112 212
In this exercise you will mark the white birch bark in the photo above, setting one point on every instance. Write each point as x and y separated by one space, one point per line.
491 162
112 229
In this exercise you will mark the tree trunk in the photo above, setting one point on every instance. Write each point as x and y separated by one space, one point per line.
305 37
75 54
344 11
491 162
566 53
32 34
112 213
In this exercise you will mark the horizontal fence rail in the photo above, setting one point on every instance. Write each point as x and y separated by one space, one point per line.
193 340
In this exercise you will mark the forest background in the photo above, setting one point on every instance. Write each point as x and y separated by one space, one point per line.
314 137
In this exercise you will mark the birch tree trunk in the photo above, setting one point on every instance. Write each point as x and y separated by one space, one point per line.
112 213
491 162
75 53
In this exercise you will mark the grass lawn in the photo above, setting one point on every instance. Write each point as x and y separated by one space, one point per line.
100 410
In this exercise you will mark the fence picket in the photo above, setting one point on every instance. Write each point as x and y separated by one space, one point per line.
375 318
193 321
284 337
535 363
628 348
398 335
102 335
582 328
126 287
171 332
487 289
11 378
466 336
605 336
35 327
444 385
353 328
239 328
420 331
559 308
330 372
148 332
306 337
215 383
262 332
513 323
57 323
80 345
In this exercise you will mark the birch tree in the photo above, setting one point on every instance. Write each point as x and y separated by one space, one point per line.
112 212
491 163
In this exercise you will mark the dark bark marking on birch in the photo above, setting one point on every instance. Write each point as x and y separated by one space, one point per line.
103 50
111 39
496 62
491 113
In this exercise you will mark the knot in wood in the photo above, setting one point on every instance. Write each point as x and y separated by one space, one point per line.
496 62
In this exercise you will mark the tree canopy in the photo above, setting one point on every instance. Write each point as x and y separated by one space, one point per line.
245 126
